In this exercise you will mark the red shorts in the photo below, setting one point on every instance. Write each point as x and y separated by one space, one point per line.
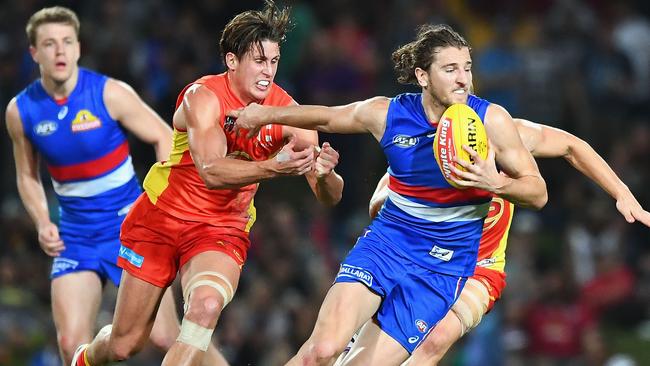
494 281
156 244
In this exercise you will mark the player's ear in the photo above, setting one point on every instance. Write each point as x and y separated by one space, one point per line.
32 52
422 77
231 61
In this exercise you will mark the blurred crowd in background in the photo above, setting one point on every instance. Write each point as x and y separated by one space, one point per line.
578 275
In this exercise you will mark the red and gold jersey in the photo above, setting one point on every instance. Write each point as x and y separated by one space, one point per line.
175 185
492 247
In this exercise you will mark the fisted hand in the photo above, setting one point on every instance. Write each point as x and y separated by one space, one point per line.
326 160
289 161
251 118
49 240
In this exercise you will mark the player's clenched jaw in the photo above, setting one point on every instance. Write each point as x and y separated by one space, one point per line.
449 78
56 51
252 74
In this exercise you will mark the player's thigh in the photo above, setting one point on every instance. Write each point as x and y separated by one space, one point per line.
135 310
347 306
472 304
374 347
76 298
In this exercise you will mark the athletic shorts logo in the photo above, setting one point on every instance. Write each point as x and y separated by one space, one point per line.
421 325
359 273
413 339
131 256
441 253
62 264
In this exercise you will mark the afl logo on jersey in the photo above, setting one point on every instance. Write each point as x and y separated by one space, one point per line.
404 141
45 128
85 121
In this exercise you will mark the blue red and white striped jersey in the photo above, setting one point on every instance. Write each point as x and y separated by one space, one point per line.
435 224
85 151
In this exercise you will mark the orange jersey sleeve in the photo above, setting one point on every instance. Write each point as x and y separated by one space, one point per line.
175 185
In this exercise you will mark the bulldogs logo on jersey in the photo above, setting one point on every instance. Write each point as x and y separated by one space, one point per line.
85 121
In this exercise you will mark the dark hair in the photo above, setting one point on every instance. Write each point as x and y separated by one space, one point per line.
419 53
250 28
55 14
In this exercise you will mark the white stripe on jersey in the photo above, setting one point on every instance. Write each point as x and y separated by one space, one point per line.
93 187
439 214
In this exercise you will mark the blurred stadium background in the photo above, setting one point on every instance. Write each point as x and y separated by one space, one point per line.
578 275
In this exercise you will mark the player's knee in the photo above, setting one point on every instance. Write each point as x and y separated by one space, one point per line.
162 339
122 351
205 295
69 341
433 348
323 350
204 307
123 345
199 321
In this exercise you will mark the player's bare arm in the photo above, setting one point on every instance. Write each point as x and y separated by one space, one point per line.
549 142
199 114
359 117
326 184
379 196
30 186
125 105
524 184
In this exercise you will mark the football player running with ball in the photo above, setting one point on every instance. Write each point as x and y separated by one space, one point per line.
409 266
484 288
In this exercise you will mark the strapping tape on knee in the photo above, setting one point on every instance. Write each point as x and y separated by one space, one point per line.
195 335
226 292
472 304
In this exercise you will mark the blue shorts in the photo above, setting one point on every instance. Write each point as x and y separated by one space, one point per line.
88 250
415 299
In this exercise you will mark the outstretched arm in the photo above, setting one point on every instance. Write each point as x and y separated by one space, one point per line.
549 142
359 117
199 114
124 105
30 186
